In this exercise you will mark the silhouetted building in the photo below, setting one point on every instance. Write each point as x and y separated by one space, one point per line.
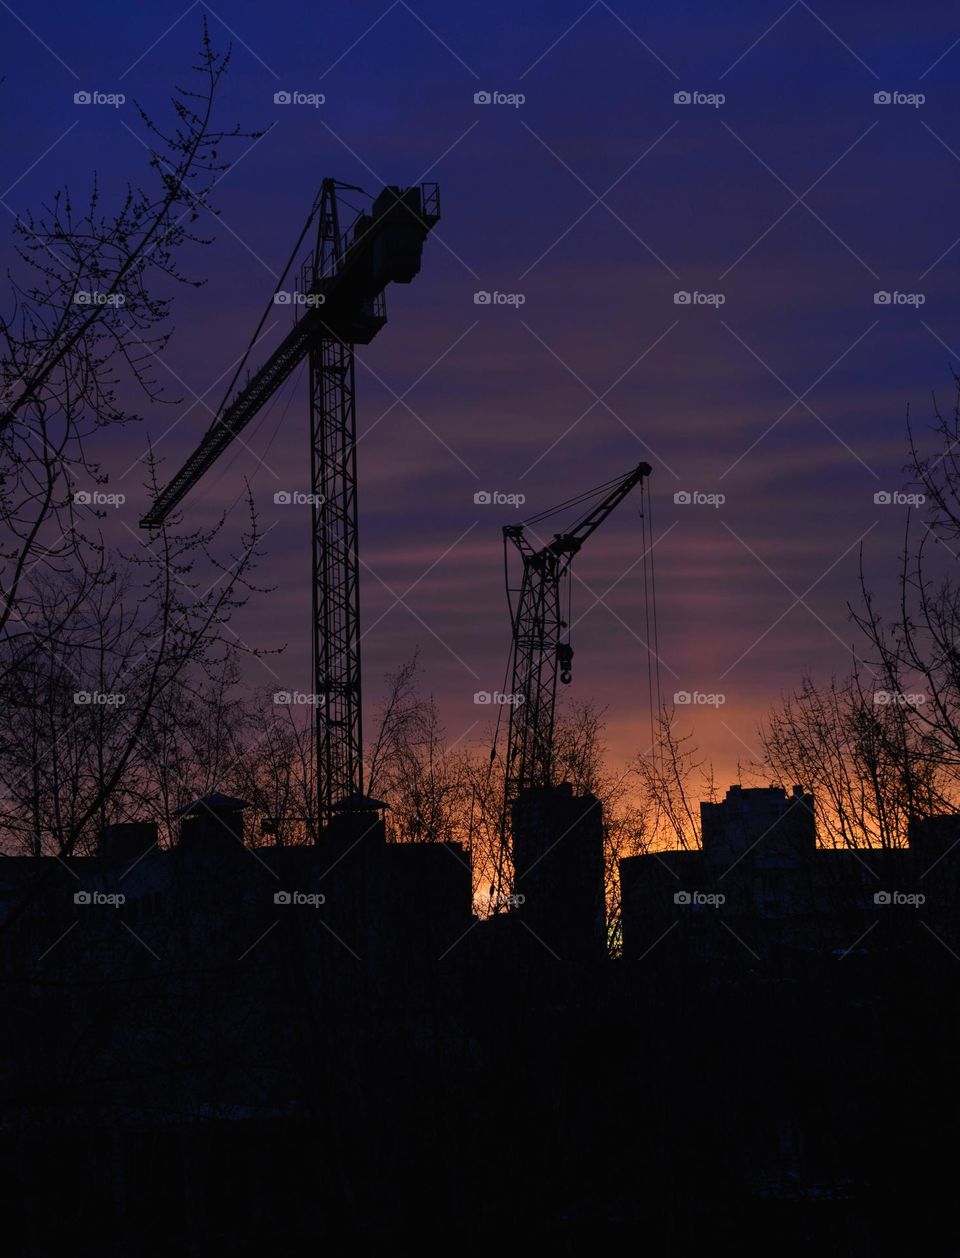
127 840
330 1026
760 883
775 829
212 821
558 870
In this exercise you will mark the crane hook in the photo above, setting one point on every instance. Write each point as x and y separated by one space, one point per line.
565 662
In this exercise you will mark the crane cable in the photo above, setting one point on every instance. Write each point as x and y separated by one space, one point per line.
573 502
511 656
654 688
653 594
500 837
314 210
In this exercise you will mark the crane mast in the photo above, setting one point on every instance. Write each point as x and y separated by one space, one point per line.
541 655
341 295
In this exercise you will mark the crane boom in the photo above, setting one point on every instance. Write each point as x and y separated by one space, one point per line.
245 407
540 655
344 302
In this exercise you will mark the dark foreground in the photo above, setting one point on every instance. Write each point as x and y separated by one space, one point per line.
206 1069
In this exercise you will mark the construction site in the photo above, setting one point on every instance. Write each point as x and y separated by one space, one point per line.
339 1037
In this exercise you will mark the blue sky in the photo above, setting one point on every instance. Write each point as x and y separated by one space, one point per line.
795 199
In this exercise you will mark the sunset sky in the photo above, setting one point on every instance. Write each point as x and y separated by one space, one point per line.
794 199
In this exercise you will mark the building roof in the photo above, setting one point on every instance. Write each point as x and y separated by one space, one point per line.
214 802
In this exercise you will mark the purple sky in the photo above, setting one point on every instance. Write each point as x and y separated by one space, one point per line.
796 199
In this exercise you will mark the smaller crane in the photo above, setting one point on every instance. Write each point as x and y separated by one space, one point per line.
542 653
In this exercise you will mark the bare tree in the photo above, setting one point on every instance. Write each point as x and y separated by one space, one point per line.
86 319
426 783
273 767
84 720
915 650
852 748
672 778
77 618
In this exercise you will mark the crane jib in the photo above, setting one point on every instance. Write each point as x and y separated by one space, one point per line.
383 247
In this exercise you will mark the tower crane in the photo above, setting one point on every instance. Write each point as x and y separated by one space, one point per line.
542 653
339 305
